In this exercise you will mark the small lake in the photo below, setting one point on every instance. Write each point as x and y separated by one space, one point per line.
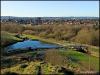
32 44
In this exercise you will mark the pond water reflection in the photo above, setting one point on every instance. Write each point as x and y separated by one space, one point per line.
33 44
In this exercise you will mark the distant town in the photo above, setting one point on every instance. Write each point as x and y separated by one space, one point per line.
52 20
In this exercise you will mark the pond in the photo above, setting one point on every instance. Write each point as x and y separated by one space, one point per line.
30 44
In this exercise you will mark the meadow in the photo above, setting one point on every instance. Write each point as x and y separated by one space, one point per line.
54 59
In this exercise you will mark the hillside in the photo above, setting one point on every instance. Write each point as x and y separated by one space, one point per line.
79 53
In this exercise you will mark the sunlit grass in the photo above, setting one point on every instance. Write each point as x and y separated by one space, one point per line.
82 59
8 38
31 68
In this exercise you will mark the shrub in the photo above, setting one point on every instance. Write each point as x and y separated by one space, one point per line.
54 58
86 36
12 27
28 32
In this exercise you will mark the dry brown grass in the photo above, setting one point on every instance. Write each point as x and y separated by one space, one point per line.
54 58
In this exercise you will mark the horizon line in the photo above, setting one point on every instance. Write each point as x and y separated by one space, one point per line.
52 16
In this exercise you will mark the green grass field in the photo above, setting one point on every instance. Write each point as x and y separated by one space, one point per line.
81 59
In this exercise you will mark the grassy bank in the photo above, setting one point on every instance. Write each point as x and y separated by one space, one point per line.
8 38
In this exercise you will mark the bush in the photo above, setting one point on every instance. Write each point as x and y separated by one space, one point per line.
12 27
53 57
28 32
86 36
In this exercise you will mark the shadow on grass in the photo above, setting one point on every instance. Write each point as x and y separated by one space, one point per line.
65 71
11 73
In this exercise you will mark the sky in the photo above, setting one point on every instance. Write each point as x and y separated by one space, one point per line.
50 8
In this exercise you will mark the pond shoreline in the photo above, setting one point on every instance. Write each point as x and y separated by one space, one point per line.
30 45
